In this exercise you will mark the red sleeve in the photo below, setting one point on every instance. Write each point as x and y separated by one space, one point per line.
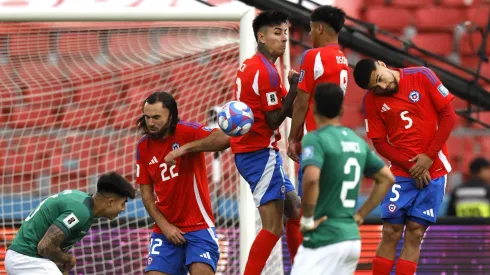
447 117
391 153
203 131
375 127
142 176
438 93
306 73
269 84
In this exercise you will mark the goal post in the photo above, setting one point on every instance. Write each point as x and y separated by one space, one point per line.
71 84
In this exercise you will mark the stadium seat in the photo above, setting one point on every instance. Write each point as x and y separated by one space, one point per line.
8 88
130 45
434 18
15 184
87 72
458 3
470 44
32 115
427 41
353 95
125 116
104 95
352 117
120 156
85 117
389 18
397 3
69 181
29 45
479 15
79 43
394 42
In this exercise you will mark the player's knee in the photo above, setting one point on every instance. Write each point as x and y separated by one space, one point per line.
200 269
414 233
392 233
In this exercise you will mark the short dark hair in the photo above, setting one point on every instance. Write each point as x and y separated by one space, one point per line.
328 99
330 15
169 102
477 164
363 71
113 183
268 18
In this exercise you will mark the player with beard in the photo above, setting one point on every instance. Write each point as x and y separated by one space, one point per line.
176 196
409 117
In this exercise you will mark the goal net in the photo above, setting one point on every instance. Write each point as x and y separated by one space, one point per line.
70 94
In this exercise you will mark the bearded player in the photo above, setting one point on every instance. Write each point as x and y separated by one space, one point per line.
176 196
324 63
409 117
42 243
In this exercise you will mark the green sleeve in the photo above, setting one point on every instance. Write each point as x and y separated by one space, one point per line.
312 151
373 162
73 218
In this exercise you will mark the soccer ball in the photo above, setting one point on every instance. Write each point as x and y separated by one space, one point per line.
235 118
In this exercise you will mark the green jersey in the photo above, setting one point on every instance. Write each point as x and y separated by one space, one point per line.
70 210
342 157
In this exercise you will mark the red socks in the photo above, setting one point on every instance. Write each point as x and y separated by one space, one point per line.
404 267
259 252
382 266
293 237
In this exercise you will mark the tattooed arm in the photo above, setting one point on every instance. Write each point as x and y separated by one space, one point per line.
50 248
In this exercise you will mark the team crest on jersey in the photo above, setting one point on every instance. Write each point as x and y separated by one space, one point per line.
414 96
307 152
150 259
392 207
205 128
443 90
175 146
283 189
301 75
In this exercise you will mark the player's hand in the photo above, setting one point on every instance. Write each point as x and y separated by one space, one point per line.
358 218
424 180
305 227
173 234
293 77
171 158
65 268
294 150
422 165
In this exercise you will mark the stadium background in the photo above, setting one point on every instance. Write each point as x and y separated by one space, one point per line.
59 100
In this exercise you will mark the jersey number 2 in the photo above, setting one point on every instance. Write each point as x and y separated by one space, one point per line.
349 185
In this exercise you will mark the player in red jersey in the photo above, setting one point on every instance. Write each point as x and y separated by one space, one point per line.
409 117
324 63
257 156
184 237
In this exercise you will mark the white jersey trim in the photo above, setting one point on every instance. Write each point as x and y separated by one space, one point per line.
204 214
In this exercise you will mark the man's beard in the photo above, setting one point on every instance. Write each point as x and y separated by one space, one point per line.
160 134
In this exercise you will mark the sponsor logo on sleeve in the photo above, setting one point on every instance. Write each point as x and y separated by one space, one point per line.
443 90
271 98
301 75
71 220
308 152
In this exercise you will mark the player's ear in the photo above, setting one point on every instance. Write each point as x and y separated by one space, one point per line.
341 113
382 64
261 35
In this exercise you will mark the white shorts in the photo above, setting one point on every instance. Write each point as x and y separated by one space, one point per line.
339 258
19 264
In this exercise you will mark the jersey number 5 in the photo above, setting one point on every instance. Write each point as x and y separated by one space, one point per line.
404 117
349 185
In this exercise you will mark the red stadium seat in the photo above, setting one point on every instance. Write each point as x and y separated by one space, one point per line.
120 156
26 155
8 88
69 181
435 18
352 117
387 39
470 44
28 116
479 15
84 72
79 43
130 45
389 18
102 95
125 116
86 117
354 95
79 155
397 3
426 41
458 3
19 183
29 45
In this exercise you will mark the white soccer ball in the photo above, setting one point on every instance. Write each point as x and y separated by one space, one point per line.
235 118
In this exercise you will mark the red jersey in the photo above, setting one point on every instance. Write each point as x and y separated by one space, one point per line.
410 117
258 85
321 65
182 189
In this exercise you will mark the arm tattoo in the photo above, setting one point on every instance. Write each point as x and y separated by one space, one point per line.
49 246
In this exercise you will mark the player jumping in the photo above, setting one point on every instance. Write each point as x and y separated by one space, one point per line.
42 243
324 63
184 236
257 156
333 159
409 117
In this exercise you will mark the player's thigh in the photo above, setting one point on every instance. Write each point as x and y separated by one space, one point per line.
398 200
19 264
202 247
265 175
425 208
292 205
328 259
165 257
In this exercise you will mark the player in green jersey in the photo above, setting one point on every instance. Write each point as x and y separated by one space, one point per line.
334 159
41 245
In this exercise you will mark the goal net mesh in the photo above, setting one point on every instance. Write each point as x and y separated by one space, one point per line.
70 94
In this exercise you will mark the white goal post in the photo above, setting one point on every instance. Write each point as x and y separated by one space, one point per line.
27 198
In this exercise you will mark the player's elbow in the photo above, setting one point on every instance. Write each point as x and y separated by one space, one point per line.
46 248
